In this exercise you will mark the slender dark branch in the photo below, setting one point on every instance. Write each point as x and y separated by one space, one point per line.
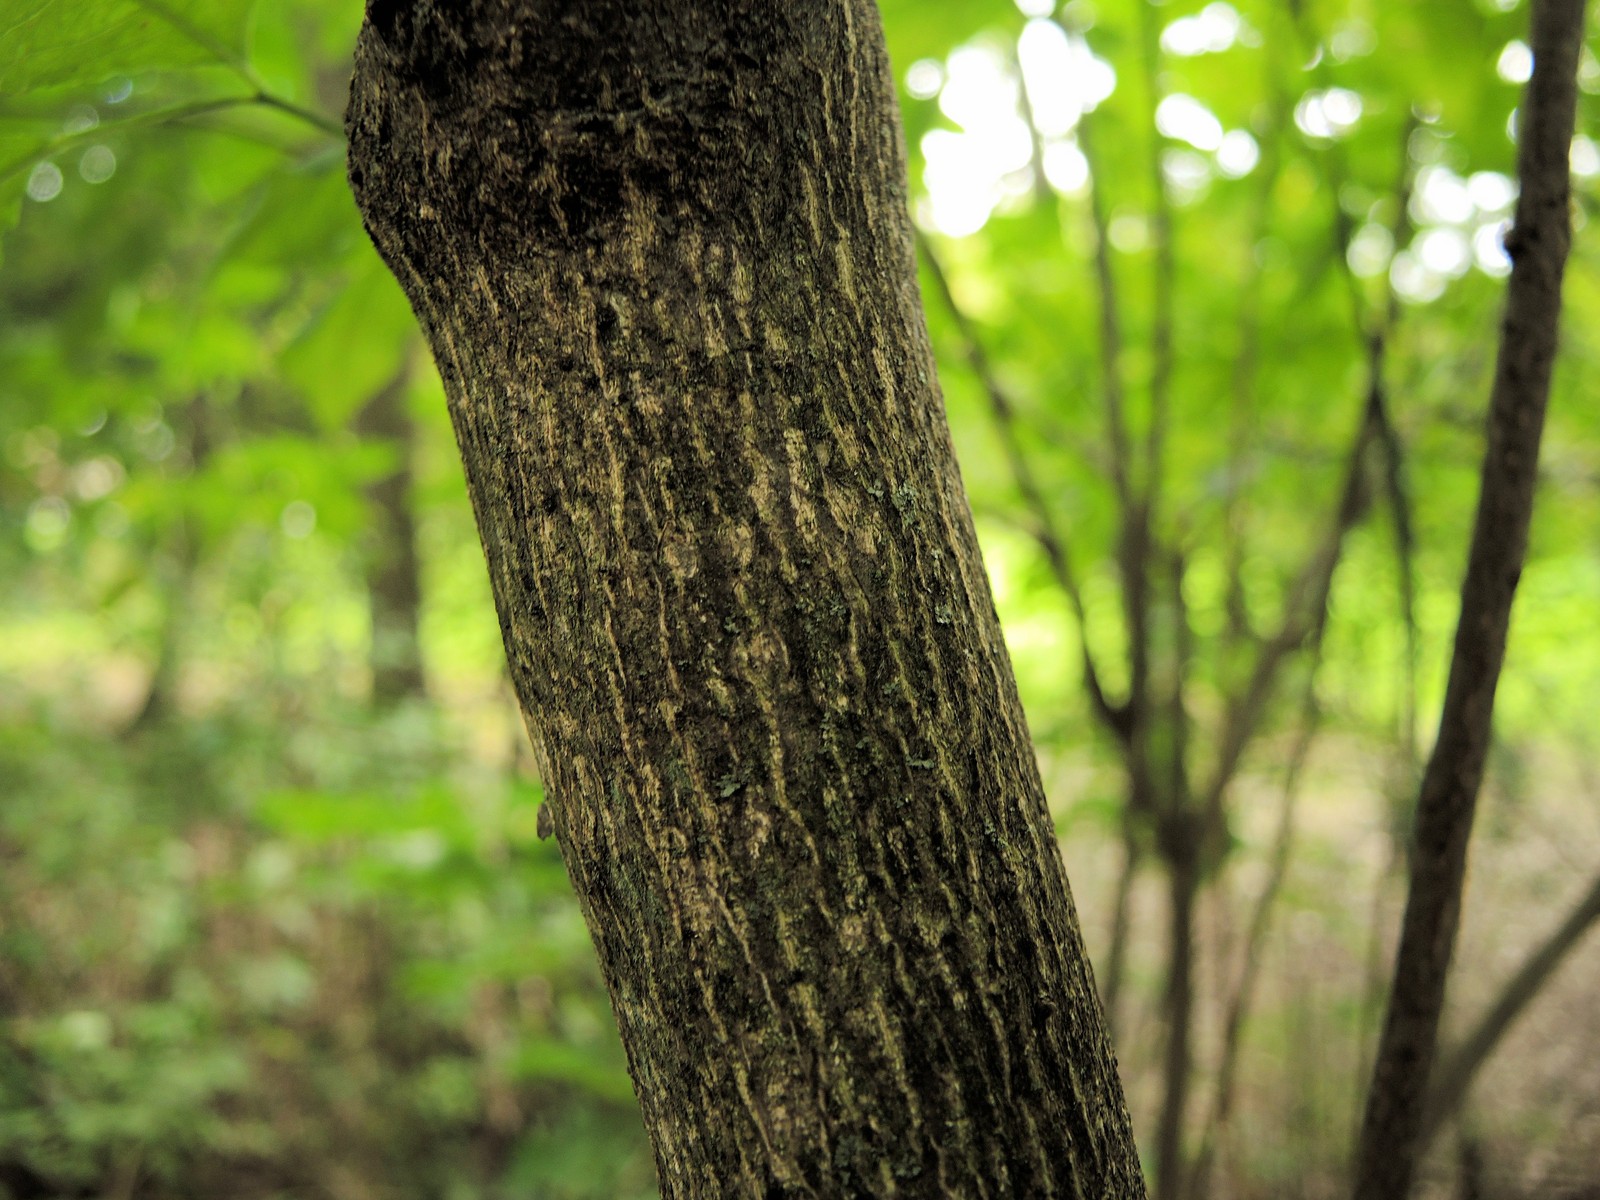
1379 332
170 115
1243 996
1042 191
1456 1073
1044 526
240 65
1134 540
1304 610
1398 494
1179 721
1121 921
1246 367
1391 1129
1110 327
1395 486
155 116
1302 615
1163 289
318 121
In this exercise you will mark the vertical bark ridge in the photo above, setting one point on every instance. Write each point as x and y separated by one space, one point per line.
663 257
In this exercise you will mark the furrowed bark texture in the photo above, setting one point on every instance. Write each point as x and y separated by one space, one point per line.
1392 1123
662 255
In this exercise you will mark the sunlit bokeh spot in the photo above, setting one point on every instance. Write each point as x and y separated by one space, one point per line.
44 182
1460 223
1328 114
1186 174
1445 251
1065 167
1187 120
924 78
298 520
1516 62
1129 233
980 91
1238 154
1489 250
1413 281
97 478
964 172
1351 40
48 520
1441 196
1585 157
989 163
1588 71
1370 250
98 164
1491 192
1213 29
1045 54
1064 77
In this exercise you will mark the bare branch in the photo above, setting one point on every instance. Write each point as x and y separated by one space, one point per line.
1044 527
1243 996
1456 1073
1163 291
1246 367
1134 539
1538 243
1303 613
1110 327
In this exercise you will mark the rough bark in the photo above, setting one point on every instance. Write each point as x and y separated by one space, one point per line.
662 255
1393 1121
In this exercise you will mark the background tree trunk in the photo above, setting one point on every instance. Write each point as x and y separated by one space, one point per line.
663 258
393 571
1392 1124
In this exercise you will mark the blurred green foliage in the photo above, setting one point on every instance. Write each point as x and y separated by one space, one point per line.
261 936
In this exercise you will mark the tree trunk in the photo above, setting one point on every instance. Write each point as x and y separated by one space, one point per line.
1392 1124
175 578
662 254
1182 864
394 575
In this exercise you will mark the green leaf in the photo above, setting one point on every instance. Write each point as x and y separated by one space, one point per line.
916 29
548 1060
354 344
47 43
